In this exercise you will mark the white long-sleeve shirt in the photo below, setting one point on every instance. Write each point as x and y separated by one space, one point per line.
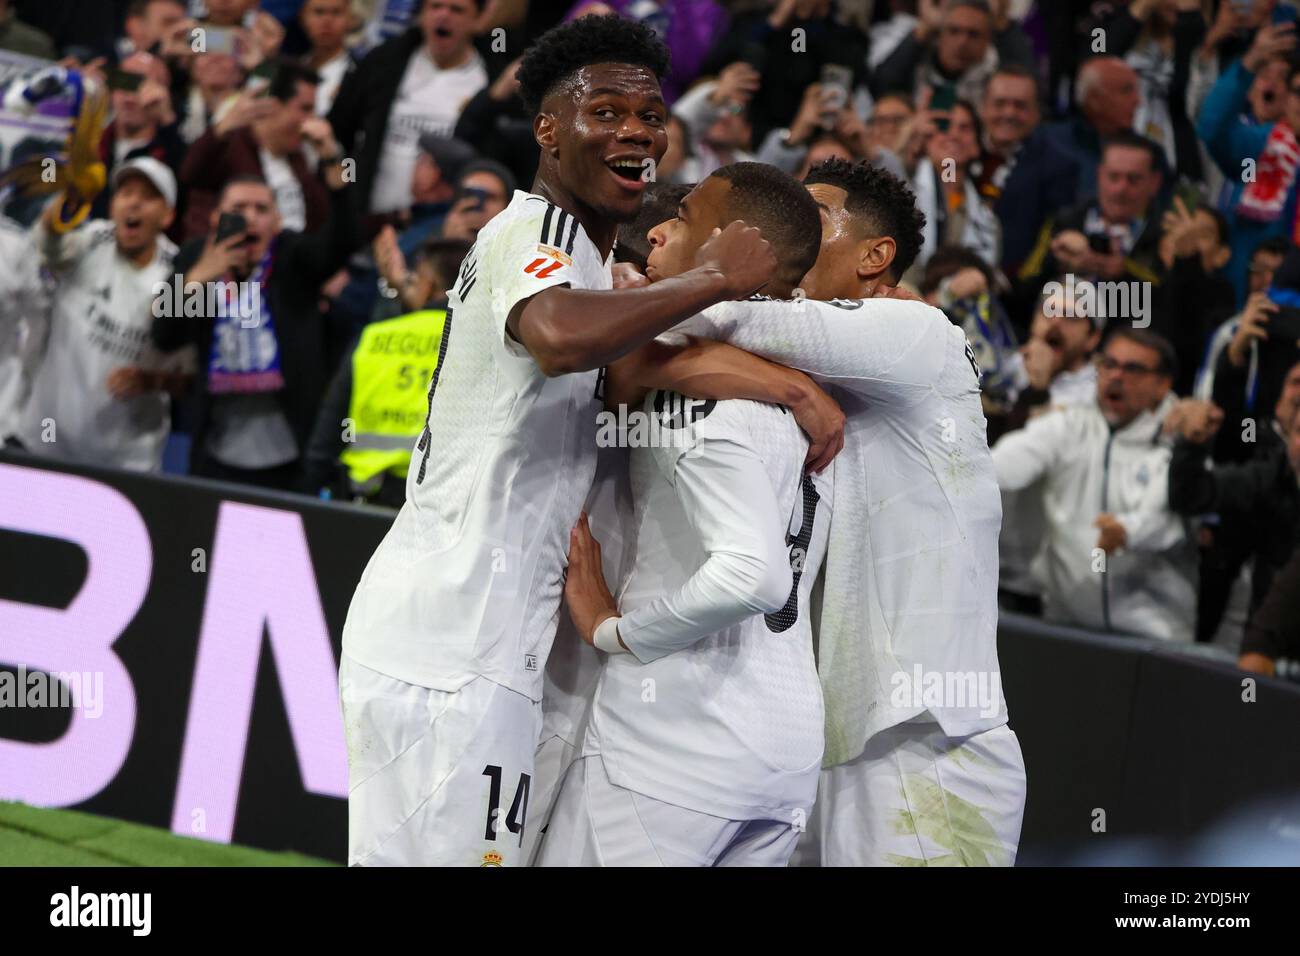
1080 468
100 319
718 707
24 320
912 563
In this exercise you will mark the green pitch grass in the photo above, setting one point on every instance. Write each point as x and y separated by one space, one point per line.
34 837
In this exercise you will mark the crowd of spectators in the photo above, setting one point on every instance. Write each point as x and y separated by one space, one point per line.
1109 188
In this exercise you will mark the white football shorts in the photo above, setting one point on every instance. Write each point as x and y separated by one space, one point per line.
596 823
916 797
436 778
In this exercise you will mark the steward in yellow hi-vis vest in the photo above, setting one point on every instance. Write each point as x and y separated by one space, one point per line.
385 383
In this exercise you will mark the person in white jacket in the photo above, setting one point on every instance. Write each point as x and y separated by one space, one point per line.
24 315
100 395
1114 557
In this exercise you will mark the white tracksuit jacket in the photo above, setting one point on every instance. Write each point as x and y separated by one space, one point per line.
1082 469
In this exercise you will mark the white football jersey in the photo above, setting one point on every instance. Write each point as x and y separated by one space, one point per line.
101 314
910 596
718 707
24 320
468 580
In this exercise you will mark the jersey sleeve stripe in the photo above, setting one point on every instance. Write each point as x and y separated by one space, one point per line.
559 230
573 235
546 222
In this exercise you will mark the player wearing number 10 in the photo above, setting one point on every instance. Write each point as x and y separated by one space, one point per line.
718 765
452 622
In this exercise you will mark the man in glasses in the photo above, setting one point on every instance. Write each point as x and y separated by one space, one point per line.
1113 556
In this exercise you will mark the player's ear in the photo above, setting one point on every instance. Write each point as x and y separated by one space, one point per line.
544 128
875 256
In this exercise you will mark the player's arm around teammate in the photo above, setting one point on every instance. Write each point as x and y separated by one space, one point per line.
574 330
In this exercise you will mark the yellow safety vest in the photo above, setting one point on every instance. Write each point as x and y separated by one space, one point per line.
391 368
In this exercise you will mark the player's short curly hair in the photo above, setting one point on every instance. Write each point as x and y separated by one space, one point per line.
559 53
881 201
783 211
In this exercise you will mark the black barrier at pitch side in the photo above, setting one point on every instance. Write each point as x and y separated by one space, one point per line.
214 616
211 616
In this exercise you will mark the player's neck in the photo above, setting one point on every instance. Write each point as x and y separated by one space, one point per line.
867 287
599 231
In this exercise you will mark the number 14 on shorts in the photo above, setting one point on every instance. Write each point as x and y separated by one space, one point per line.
518 815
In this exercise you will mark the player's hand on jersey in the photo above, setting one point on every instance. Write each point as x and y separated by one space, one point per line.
1112 534
585 591
627 276
822 420
743 257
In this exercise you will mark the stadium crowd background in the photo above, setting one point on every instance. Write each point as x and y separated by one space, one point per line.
1110 201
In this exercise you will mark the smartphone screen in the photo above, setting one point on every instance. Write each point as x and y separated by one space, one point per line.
1099 242
941 102
127 82
219 40
479 197
839 81
230 224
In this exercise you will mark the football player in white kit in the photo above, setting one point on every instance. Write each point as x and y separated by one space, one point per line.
453 618
703 370
923 769
705 738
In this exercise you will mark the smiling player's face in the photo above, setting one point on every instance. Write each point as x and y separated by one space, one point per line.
608 125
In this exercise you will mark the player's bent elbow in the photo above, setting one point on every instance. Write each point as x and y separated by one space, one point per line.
759 584
775 590
554 352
